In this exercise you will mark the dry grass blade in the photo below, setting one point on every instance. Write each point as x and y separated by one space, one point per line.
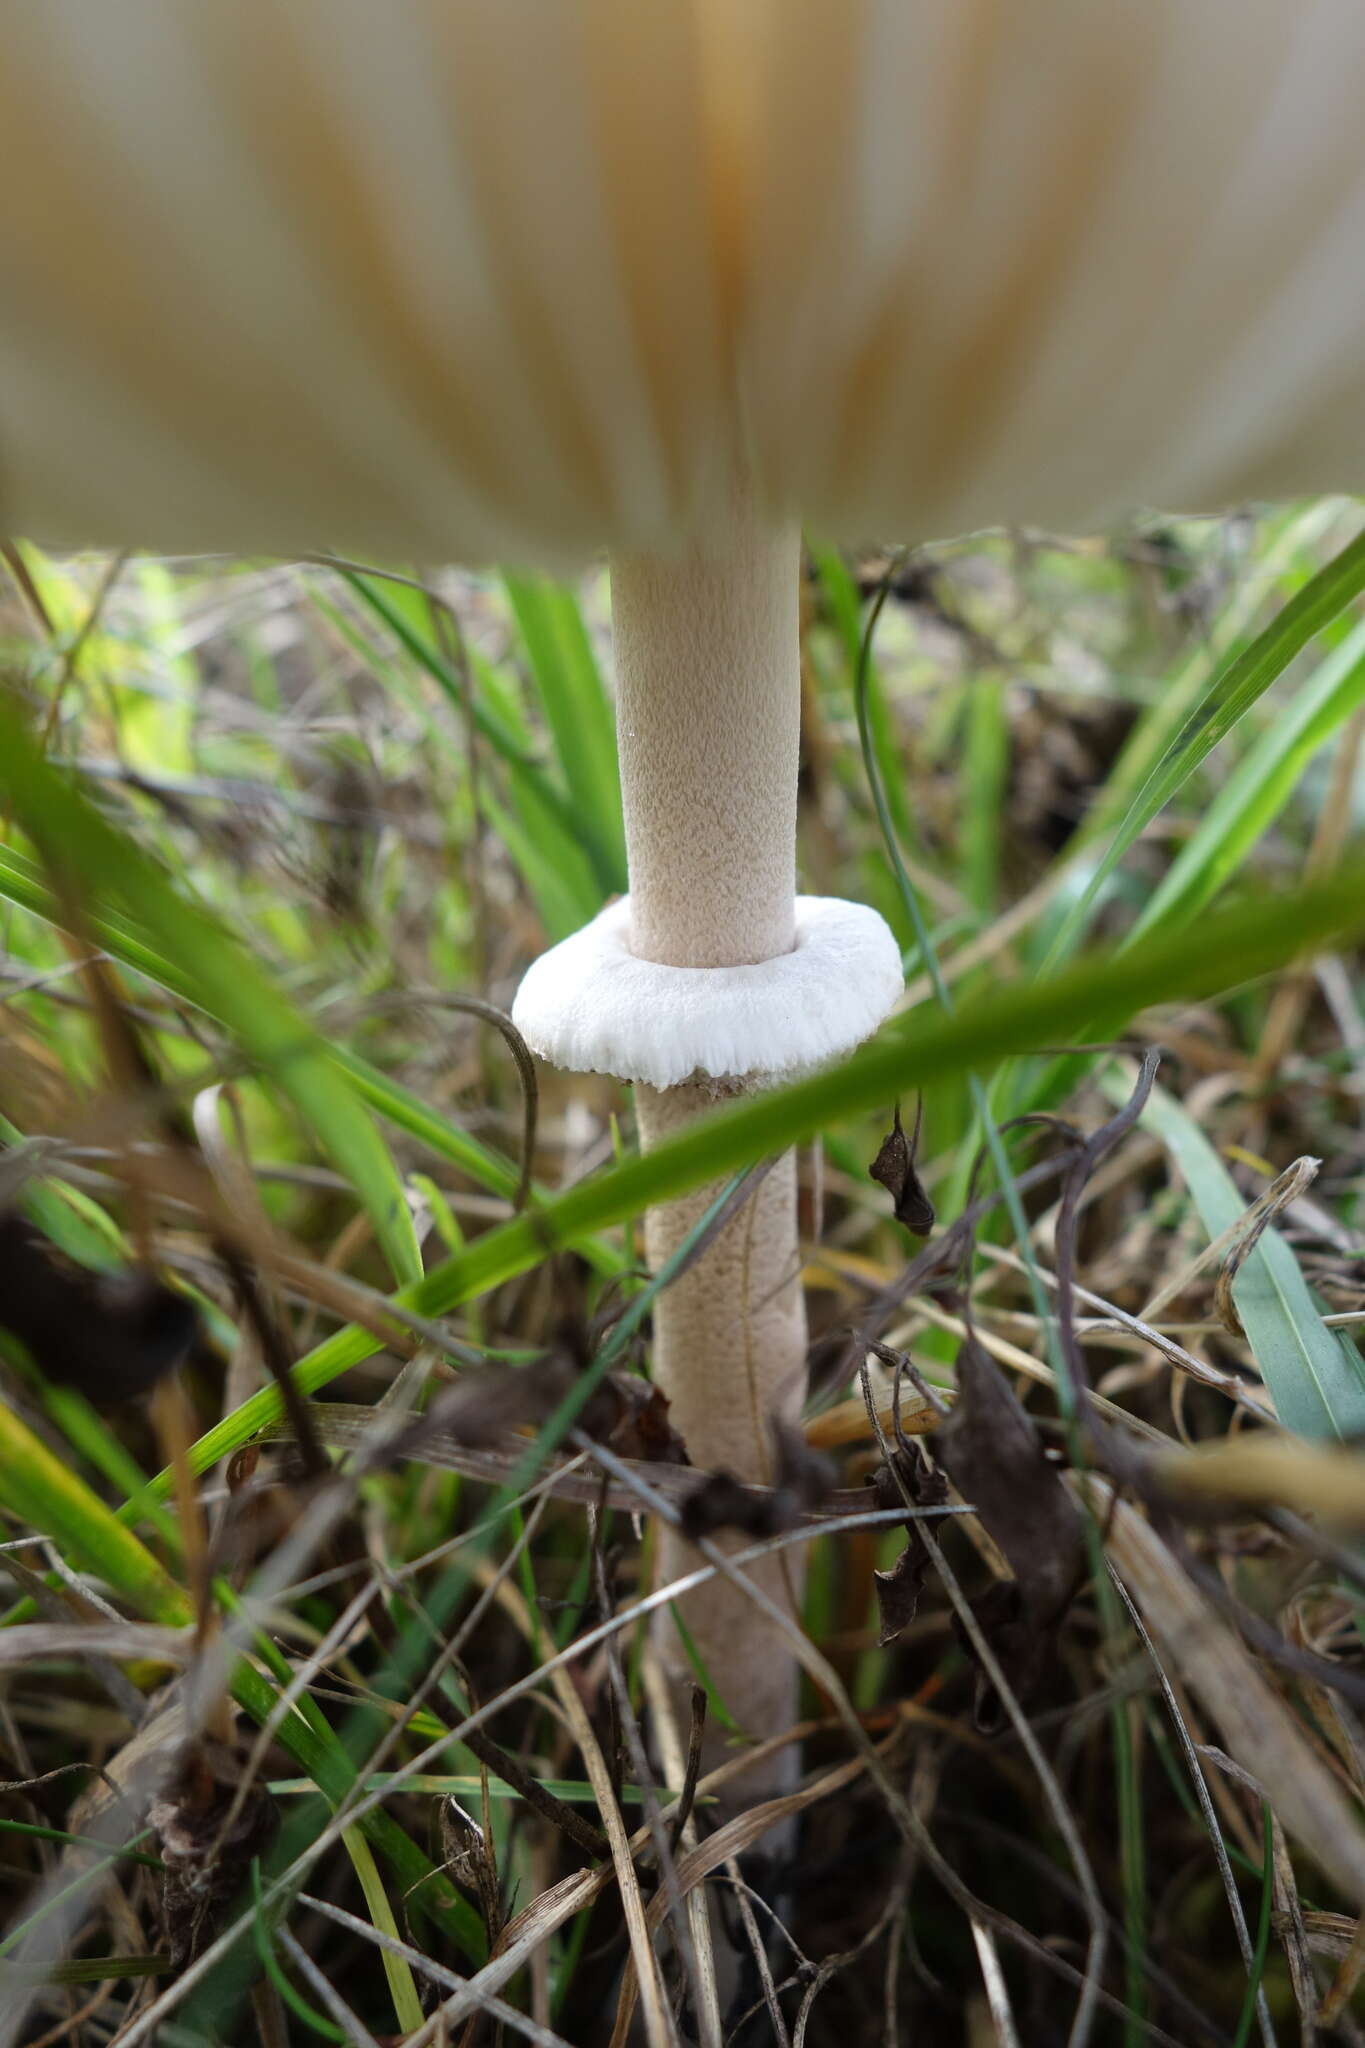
731 1840
1266 1471
907 1820
1062 1816
1201 1789
122 1639
1018 1360
1201 1369
320 1985
1239 1240
1284 1189
346 1426
543 2037
1294 1940
658 2019
379 788
684 1776
632 1743
562 1902
1257 1727
997 1992
1348 1976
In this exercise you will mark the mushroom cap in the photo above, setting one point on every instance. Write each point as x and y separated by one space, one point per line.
592 1006
520 278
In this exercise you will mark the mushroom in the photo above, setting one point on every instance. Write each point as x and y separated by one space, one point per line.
710 977
525 281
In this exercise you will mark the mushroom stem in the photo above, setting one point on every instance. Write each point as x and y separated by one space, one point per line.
729 1352
708 706
708 678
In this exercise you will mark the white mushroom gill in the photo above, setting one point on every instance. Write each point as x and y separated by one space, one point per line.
459 279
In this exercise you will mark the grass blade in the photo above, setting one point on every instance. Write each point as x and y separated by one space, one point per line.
501 735
38 1488
580 716
93 860
918 1050
41 1490
1227 698
1292 537
21 883
1315 1375
845 607
1260 785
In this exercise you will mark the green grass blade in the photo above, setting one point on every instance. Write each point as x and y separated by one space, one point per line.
1103 991
551 836
554 866
406 2004
381 600
845 607
579 714
21 883
38 1488
985 769
96 861
501 735
43 1492
390 1099
1227 698
1260 786
1316 1376
1285 563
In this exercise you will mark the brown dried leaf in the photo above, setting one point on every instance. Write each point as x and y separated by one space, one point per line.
995 1458
894 1167
467 1857
623 1411
640 1427
802 1478
899 1589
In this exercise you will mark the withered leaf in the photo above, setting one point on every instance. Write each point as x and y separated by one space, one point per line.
894 1167
110 1335
1021 1649
207 1862
622 1411
723 1502
466 1856
995 1458
899 1589
799 1469
801 1479
631 1417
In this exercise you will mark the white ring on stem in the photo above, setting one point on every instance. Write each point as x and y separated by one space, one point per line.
591 1006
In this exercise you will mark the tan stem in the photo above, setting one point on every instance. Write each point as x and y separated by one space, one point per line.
708 678
729 1352
708 682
